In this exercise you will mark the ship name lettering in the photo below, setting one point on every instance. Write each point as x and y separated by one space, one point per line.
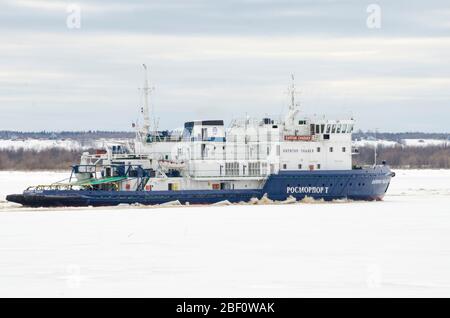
307 190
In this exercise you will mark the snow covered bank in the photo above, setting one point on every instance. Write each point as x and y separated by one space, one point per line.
402 143
71 144
42 144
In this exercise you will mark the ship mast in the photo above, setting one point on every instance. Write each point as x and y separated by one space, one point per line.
293 107
145 110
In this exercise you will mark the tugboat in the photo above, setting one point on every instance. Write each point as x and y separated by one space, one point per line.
206 162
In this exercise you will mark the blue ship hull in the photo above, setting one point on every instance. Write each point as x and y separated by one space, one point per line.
358 184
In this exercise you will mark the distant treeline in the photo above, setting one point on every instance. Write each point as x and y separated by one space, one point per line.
76 135
431 157
399 136
435 157
96 134
49 159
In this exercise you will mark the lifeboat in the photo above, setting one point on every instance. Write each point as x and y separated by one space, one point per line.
169 164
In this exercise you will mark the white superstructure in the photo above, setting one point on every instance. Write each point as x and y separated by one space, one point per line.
208 155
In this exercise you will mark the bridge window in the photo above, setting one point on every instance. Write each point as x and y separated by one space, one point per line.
333 130
322 129
338 130
344 128
317 129
328 129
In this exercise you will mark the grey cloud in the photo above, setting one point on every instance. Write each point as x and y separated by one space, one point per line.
219 59
232 17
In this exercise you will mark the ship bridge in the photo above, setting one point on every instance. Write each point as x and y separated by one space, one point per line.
204 130
318 129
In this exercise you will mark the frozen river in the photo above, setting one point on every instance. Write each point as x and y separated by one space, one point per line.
398 247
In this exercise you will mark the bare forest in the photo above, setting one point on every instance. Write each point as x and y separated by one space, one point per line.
431 157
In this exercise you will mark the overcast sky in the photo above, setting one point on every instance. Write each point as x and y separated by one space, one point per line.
223 59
